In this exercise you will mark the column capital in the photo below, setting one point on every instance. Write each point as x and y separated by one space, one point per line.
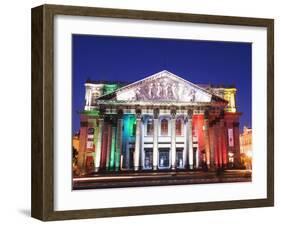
156 113
222 122
221 114
173 112
102 110
114 121
189 114
206 125
206 114
119 113
138 112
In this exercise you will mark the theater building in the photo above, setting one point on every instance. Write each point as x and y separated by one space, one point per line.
162 122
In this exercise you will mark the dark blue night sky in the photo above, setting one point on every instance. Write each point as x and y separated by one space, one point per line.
130 59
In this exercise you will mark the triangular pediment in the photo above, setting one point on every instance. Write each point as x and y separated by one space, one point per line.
161 87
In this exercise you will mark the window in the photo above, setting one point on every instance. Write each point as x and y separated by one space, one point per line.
164 127
149 127
179 157
94 97
90 144
148 158
178 127
230 138
91 131
164 160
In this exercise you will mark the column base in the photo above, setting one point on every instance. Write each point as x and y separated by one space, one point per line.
205 167
155 167
136 168
191 167
212 168
96 169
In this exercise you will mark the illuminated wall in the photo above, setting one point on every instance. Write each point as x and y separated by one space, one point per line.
109 88
229 95
88 137
92 136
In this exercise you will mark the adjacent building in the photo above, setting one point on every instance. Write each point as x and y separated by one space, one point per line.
162 122
246 147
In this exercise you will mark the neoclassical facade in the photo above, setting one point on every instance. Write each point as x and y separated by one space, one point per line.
162 122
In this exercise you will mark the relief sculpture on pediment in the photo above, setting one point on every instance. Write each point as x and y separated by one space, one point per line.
165 89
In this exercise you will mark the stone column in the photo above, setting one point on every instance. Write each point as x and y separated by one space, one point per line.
206 137
127 154
223 141
155 138
118 139
219 144
190 142
112 146
143 124
186 143
215 143
99 142
173 138
212 145
197 155
138 140
237 160
108 148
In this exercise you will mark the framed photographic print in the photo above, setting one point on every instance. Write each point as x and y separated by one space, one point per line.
141 112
